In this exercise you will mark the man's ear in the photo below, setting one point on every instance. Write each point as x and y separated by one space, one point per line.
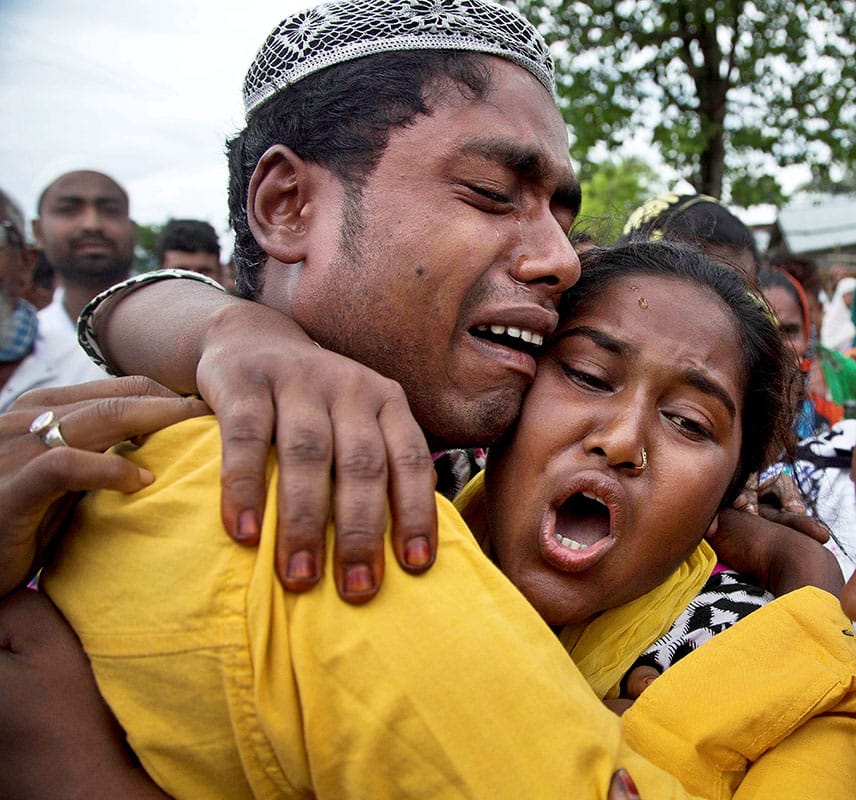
278 195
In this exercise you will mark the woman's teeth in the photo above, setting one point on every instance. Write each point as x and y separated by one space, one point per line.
573 544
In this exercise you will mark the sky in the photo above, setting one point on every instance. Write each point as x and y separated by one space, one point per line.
146 91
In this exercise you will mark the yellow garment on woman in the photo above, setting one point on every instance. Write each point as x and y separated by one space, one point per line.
605 647
448 685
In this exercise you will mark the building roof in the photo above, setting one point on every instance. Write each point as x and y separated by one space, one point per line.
819 223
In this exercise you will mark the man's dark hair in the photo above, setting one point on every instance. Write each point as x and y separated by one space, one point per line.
187 236
341 119
768 370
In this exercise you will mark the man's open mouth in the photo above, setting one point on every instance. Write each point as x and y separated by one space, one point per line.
521 339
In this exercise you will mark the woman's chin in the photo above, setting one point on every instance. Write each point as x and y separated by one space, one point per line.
558 607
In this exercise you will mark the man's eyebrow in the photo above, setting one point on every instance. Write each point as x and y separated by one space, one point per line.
691 375
527 163
68 198
101 200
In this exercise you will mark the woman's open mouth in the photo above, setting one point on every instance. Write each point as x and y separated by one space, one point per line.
580 531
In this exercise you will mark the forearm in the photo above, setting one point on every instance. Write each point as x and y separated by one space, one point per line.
135 784
157 330
15 566
780 555
57 736
161 329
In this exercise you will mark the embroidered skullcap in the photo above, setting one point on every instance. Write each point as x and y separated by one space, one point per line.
338 31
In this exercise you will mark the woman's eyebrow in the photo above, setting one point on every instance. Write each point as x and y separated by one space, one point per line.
691 375
600 338
704 383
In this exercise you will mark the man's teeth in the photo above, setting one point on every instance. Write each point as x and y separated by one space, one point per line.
573 544
593 497
530 337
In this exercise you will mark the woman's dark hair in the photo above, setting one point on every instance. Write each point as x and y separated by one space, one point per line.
803 270
694 219
768 369
770 278
341 118
773 278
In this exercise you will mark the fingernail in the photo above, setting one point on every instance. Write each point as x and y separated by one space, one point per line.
629 785
417 553
248 525
301 566
146 478
358 579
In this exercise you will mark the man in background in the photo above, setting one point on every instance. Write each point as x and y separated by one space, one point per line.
189 244
85 233
18 320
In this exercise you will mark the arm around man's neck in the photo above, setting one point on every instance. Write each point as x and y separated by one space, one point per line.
162 329
261 373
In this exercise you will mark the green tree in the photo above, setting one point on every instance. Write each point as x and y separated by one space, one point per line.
145 253
611 190
824 183
729 90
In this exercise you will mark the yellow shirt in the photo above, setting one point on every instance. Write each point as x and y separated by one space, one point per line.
446 686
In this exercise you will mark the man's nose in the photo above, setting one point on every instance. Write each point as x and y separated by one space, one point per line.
90 219
547 258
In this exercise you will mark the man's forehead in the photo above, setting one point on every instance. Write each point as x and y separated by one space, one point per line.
534 142
85 186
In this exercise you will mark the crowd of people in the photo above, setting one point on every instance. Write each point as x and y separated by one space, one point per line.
634 578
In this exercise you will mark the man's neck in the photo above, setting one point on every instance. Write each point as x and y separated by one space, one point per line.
76 296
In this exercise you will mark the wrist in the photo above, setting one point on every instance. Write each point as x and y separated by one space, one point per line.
805 563
243 320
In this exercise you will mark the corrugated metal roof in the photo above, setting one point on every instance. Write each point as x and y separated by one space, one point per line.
816 227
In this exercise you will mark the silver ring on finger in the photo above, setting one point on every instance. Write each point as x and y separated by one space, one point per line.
46 427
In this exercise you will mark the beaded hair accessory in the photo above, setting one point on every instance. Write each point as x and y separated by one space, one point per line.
343 30
763 306
652 209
